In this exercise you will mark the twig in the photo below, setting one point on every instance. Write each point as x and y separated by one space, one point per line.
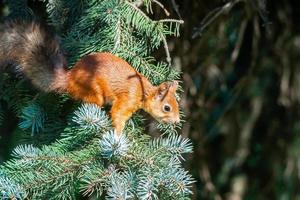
175 6
137 9
118 35
162 6
140 3
243 149
171 20
236 51
213 15
166 49
159 21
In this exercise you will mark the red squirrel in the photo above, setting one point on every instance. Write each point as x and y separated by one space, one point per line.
98 78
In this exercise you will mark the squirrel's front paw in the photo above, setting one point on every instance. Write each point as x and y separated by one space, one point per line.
117 134
113 144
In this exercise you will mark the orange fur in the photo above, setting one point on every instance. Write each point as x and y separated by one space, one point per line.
98 78
102 78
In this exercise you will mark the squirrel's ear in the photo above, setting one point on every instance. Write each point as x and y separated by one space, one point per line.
173 86
164 88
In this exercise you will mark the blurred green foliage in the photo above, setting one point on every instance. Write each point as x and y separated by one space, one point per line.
241 96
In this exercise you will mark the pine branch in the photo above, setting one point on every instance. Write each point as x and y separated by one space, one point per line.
9 189
87 159
33 116
213 15
111 145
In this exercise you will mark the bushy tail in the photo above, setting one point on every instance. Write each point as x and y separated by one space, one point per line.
34 52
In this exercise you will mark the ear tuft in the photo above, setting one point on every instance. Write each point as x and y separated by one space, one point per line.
162 90
173 86
165 87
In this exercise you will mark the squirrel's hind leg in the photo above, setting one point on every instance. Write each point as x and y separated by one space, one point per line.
95 99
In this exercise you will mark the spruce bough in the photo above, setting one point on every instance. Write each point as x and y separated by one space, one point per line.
86 159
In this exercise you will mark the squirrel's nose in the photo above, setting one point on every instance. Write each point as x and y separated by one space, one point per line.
177 120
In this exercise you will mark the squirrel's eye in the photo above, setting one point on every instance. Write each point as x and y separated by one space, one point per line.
167 108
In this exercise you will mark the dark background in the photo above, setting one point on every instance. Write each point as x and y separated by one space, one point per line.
241 97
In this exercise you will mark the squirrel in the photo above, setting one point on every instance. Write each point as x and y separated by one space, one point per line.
99 78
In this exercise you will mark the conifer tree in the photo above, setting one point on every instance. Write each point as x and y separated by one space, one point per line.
70 150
